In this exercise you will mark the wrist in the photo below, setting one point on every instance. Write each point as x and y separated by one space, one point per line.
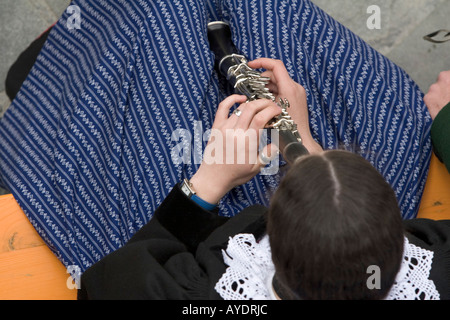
188 189
311 145
209 189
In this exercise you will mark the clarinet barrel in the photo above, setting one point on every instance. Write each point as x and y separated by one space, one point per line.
247 81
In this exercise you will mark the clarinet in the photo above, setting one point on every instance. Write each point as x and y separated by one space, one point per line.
249 82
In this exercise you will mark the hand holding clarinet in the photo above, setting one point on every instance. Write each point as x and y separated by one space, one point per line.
274 84
283 87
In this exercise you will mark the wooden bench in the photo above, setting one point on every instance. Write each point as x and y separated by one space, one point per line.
29 270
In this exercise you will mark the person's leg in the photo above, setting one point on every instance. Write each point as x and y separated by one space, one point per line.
358 99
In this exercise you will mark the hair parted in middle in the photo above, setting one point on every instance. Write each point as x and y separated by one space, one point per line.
332 217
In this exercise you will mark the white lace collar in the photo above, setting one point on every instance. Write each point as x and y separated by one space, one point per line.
250 272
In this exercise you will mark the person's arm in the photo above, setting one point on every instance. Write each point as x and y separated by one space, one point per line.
183 218
187 218
216 175
160 260
438 103
141 268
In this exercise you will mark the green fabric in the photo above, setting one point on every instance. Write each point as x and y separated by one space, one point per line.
440 136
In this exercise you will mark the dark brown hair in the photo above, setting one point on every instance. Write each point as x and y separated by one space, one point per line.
332 218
